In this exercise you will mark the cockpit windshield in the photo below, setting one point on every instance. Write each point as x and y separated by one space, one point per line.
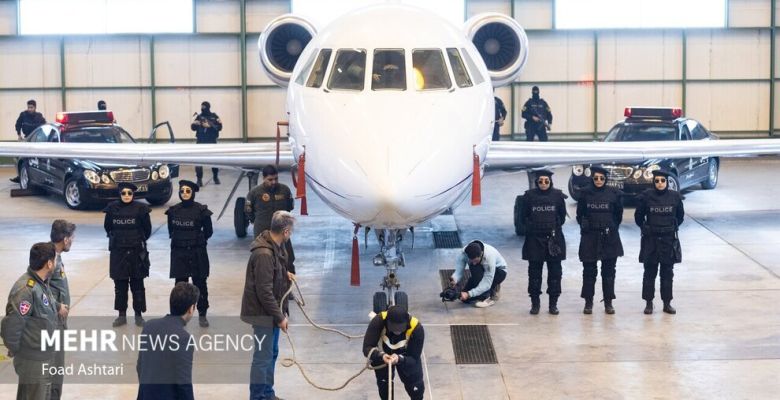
461 76
430 72
349 70
389 71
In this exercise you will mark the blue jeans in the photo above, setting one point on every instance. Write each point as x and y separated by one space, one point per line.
261 386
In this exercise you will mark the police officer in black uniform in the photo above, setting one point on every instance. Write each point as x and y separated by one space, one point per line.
206 126
599 213
538 117
26 123
500 116
396 339
128 227
189 227
659 214
544 212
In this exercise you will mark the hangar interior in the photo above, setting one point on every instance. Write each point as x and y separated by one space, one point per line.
723 343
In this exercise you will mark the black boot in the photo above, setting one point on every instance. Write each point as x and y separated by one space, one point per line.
535 305
588 306
553 305
668 308
203 322
139 320
119 321
199 182
216 180
649 307
608 307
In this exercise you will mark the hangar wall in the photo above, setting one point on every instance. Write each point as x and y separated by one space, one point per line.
724 77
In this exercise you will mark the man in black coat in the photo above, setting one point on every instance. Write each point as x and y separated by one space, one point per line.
206 126
189 227
599 213
27 122
165 371
659 214
538 117
396 339
543 213
500 116
128 227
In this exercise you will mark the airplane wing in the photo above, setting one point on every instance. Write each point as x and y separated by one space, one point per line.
233 155
538 154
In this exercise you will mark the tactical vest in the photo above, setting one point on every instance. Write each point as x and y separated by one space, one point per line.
543 217
126 228
402 344
186 227
599 209
661 213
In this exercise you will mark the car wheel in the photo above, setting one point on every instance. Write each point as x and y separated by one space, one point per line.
24 176
74 197
672 183
712 175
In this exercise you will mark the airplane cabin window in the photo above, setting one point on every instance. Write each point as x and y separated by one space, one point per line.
430 73
389 71
349 70
306 68
475 75
318 72
461 76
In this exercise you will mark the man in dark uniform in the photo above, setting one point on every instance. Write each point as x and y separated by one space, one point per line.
165 372
206 126
538 117
659 213
32 309
499 117
62 235
128 226
544 212
599 213
395 338
189 227
26 123
264 200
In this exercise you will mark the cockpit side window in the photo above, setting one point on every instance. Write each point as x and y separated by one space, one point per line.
476 76
318 72
306 68
349 70
389 71
461 76
430 73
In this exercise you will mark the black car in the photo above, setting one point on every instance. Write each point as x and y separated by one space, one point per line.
83 182
653 124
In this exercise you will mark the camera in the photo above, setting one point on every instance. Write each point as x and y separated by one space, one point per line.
449 294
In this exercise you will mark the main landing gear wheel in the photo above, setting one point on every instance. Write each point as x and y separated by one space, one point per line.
380 302
240 221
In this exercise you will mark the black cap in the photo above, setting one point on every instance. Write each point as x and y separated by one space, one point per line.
206 104
535 89
127 185
192 185
543 172
474 250
596 169
659 172
397 319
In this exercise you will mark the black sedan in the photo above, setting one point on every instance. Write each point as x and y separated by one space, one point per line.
648 125
84 182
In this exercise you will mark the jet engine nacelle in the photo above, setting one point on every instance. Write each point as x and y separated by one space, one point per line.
281 44
501 42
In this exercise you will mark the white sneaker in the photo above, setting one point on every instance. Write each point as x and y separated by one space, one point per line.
485 303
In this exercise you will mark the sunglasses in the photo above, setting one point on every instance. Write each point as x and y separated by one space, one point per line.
185 190
599 178
544 180
126 193
660 180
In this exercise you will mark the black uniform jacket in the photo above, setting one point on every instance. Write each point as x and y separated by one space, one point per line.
599 213
544 212
165 372
659 214
410 354
128 226
189 227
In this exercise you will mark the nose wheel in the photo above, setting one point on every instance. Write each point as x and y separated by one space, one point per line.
391 257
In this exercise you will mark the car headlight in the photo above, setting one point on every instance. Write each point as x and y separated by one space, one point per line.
105 179
164 171
638 173
649 171
587 172
92 176
155 175
577 170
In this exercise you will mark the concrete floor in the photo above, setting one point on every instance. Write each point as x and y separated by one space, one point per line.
722 344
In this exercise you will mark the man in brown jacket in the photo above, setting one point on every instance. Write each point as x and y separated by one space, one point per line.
267 279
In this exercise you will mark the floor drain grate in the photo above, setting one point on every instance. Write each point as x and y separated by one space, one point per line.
472 344
446 240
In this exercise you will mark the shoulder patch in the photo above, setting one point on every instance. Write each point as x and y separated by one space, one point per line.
30 282
24 307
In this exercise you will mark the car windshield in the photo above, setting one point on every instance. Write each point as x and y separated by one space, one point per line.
641 133
101 134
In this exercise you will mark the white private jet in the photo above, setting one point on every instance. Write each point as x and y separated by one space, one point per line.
390 117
